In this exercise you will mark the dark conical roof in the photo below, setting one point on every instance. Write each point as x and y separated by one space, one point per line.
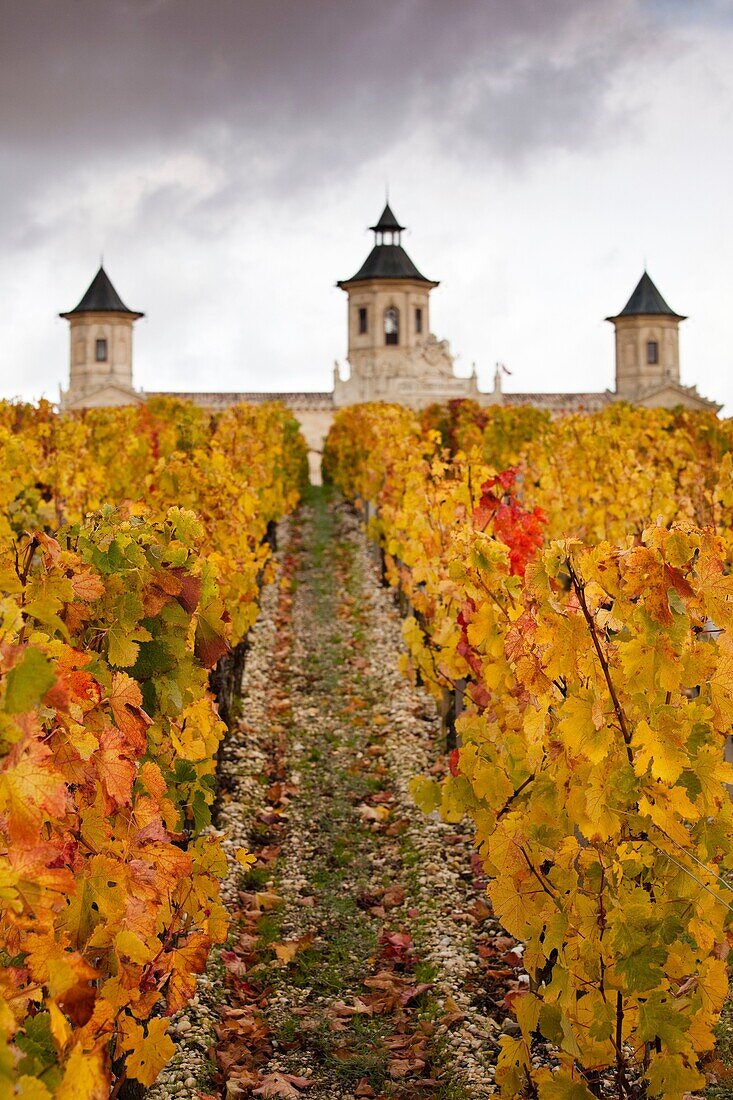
647 301
101 297
387 221
387 261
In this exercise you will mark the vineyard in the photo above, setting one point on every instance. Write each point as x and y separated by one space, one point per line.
133 547
414 785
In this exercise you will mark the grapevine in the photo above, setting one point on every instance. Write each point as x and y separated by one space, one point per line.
591 631
132 549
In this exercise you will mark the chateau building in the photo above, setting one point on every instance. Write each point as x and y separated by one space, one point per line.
392 353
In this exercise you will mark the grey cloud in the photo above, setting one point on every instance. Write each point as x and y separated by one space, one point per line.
275 96
177 133
546 106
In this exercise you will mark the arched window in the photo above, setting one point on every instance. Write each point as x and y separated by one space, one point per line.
392 325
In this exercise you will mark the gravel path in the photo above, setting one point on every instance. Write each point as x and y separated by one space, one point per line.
363 959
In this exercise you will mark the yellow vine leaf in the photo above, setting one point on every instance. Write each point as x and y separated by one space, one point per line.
84 1076
147 1051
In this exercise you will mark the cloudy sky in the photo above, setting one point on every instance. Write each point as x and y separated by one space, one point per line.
226 157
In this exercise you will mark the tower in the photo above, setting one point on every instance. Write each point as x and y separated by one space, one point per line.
388 318
647 342
100 371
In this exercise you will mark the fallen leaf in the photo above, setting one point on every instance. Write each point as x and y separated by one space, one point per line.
393 897
398 1068
368 899
286 952
480 910
234 964
267 900
268 855
453 1014
281 1084
396 945
414 992
373 813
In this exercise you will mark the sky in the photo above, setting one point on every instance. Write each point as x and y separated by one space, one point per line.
226 157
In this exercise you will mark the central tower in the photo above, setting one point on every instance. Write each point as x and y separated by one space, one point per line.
391 352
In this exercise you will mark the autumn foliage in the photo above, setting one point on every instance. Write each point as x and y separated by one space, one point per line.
582 605
131 553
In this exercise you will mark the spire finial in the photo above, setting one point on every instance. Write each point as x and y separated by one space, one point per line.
387 225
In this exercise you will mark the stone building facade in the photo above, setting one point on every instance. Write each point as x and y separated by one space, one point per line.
392 354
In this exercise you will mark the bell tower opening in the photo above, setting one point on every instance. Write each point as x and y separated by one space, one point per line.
392 325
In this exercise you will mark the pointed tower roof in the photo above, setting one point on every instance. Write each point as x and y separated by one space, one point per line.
101 297
387 221
646 301
387 261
